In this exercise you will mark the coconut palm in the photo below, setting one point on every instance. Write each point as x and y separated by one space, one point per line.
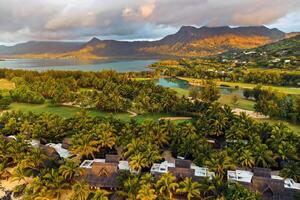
246 158
130 188
70 170
80 191
189 188
217 188
138 162
147 178
101 195
55 183
263 156
133 147
105 135
166 186
34 159
220 162
146 192
84 145
291 170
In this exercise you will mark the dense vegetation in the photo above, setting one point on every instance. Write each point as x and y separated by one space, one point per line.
215 137
241 142
275 104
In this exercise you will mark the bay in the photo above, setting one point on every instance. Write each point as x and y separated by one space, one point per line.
74 65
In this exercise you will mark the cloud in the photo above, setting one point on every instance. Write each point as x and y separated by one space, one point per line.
147 9
132 19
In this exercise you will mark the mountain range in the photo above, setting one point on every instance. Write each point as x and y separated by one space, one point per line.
189 41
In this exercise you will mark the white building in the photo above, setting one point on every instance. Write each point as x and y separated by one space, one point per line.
246 177
181 167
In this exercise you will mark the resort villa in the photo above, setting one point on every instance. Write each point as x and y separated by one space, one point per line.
103 173
261 180
181 169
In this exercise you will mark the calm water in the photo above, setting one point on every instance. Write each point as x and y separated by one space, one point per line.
67 64
177 83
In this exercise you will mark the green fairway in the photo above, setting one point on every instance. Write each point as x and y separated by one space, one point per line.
64 111
286 90
68 111
242 102
181 92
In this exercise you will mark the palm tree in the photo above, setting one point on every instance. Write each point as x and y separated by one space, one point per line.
263 156
189 188
34 159
84 145
220 162
56 183
217 187
291 170
137 162
80 191
19 174
147 178
105 135
146 192
246 158
133 147
167 186
130 188
70 170
101 195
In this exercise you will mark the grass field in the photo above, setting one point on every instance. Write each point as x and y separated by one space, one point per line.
6 85
64 111
68 111
242 103
286 90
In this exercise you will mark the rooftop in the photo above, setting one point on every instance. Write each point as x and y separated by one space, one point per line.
166 166
246 177
63 153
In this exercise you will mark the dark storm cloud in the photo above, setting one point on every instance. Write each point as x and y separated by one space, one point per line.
22 20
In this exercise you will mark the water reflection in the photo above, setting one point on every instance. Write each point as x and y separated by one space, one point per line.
177 83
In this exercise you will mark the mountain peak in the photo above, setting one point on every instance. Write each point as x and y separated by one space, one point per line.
94 40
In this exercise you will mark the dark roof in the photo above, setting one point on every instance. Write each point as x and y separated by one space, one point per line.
102 175
112 158
262 172
183 163
181 173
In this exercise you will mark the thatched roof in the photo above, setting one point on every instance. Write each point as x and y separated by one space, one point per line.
102 175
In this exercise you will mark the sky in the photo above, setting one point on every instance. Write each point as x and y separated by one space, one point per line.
80 20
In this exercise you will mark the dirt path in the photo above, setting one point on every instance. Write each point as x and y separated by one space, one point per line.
252 114
175 118
132 114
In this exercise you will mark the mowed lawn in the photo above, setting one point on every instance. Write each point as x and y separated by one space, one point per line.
6 84
69 111
63 111
242 102
286 90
